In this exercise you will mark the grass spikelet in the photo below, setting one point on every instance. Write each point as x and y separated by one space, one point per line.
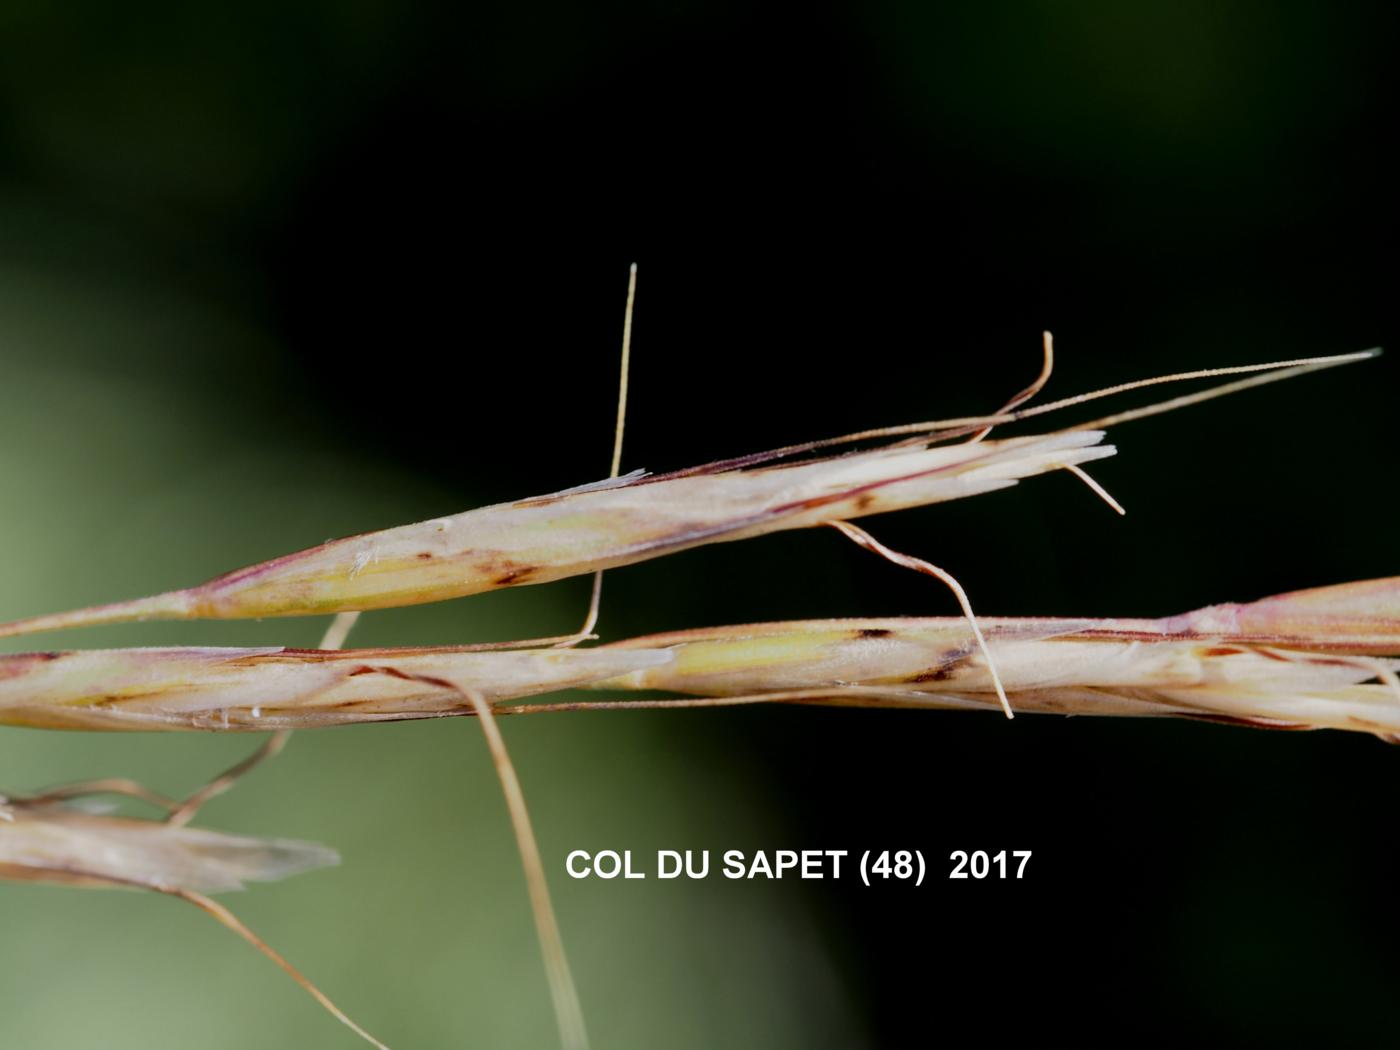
44 841
1322 658
636 517
252 690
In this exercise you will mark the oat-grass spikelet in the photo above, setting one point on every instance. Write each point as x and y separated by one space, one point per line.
623 520
42 840
1314 659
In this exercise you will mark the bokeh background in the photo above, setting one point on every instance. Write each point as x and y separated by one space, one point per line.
276 272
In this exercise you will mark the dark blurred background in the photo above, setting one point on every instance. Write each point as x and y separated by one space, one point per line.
271 273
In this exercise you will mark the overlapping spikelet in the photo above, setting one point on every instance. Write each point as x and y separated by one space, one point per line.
593 528
49 842
1322 658
44 841
274 688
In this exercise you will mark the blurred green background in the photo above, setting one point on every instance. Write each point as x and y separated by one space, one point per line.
273 273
